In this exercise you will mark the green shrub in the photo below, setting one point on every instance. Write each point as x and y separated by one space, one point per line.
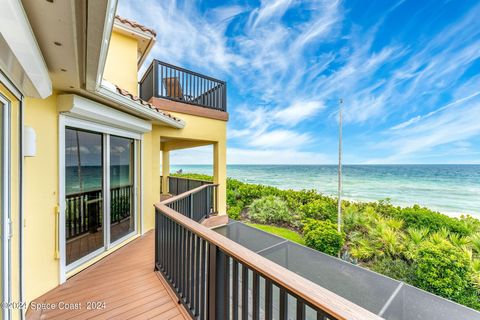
269 209
323 236
295 198
418 217
472 224
196 176
231 198
354 219
443 270
234 212
394 268
250 192
319 209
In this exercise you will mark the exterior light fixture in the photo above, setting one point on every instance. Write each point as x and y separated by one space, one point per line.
29 142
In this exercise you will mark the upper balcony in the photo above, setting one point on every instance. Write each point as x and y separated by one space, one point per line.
165 81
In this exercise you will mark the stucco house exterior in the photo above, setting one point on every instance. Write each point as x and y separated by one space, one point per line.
69 92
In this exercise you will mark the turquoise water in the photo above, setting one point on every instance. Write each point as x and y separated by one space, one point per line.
450 189
90 178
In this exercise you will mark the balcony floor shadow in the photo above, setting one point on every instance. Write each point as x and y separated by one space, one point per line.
124 280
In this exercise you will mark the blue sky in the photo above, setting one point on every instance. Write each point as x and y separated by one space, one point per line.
408 72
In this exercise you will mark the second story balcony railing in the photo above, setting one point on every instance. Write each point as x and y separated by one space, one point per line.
163 80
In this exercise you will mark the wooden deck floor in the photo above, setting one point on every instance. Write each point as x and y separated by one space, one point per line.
124 281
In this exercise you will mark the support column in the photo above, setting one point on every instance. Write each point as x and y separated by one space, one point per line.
165 170
220 175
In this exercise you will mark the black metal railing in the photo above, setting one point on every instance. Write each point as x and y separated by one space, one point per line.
216 278
179 185
163 80
84 210
121 201
197 204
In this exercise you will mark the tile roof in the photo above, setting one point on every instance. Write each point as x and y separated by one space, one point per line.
135 25
129 95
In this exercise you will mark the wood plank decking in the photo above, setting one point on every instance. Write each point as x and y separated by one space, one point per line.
124 280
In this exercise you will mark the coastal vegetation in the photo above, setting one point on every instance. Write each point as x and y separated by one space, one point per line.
279 231
427 249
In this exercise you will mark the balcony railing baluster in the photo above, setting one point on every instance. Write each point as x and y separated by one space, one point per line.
210 273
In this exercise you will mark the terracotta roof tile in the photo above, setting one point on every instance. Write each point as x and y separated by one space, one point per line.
129 95
135 25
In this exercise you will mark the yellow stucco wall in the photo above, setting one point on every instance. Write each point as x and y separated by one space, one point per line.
121 64
41 173
41 269
203 130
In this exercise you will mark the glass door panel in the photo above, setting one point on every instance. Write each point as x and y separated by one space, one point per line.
84 230
122 220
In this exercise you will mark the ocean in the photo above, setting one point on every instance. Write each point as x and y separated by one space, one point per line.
91 178
450 189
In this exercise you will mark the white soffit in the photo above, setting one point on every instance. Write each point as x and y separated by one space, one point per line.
20 57
101 14
58 28
86 109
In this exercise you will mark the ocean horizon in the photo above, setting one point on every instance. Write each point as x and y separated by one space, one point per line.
452 189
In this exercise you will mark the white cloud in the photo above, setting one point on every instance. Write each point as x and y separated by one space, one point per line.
199 155
280 138
289 73
406 123
73 150
269 9
275 156
421 135
297 112
204 155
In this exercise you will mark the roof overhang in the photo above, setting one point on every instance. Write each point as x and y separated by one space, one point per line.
74 37
87 109
20 57
138 109
145 40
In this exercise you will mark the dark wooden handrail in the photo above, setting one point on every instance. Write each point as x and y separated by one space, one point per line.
179 185
327 304
197 204
187 193
184 178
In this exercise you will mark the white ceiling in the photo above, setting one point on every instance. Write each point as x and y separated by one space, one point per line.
58 27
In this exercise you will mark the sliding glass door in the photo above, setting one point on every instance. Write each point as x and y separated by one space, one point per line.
84 194
5 236
99 193
122 170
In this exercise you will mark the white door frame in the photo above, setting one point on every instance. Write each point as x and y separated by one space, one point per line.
6 213
106 131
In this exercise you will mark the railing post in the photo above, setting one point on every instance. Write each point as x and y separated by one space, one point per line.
191 206
207 202
212 278
156 240
155 78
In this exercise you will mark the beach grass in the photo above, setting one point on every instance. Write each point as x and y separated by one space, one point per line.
281 232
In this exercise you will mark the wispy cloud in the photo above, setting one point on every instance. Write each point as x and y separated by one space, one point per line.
288 61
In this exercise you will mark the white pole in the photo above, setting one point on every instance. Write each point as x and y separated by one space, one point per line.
339 214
